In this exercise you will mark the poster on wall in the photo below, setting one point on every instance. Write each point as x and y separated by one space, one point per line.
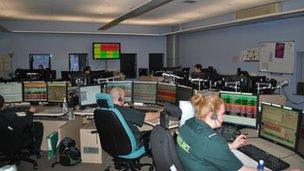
276 57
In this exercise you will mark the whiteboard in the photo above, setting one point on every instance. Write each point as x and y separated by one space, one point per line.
277 57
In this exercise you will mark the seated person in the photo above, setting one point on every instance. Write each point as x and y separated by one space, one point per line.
25 122
197 71
87 70
133 117
199 146
197 68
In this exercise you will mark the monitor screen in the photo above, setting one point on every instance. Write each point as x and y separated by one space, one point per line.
57 91
125 85
106 50
11 91
166 93
87 94
187 111
240 108
300 142
34 91
183 93
279 124
144 92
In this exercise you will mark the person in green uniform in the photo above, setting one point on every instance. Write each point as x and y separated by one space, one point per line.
199 146
134 118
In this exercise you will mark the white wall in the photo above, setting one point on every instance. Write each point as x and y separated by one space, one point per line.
221 48
21 45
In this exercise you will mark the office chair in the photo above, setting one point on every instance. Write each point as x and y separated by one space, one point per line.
116 137
15 144
163 146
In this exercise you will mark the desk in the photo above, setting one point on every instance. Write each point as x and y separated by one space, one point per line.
286 155
51 111
86 112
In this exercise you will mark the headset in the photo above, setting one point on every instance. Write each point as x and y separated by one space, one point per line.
214 116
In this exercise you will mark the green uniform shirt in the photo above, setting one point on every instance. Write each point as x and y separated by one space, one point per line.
133 118
200 148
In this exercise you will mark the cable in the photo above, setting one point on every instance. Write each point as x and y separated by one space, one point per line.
296 103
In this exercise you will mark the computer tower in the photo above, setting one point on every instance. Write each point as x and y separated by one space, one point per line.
300 88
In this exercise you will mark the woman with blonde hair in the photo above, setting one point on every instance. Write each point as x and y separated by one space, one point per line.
198 144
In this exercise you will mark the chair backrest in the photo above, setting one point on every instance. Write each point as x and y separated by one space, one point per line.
164 149
11 141
115 135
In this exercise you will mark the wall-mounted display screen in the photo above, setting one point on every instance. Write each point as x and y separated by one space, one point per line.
106 50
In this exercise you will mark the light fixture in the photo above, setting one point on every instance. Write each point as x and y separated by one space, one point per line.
136 12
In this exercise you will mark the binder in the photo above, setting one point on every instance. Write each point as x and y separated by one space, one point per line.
52 141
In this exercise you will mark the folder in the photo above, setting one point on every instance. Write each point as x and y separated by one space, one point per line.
52 141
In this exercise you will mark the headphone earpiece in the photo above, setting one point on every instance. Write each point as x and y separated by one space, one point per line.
213 116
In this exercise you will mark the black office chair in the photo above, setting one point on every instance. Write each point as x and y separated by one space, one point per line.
116 137
15 144
163 146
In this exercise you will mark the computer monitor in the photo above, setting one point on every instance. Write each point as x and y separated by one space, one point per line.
187 111
11 92
57 91
165 93
241 109
87 95
144 92
300 141
35 91
183 93
126 85
279 124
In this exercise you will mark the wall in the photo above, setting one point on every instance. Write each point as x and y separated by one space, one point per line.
60 45
221 48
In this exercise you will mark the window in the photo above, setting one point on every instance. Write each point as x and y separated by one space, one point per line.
77 61
40 59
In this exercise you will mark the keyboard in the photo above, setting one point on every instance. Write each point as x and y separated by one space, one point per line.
17 109
257 154
146 108
172 123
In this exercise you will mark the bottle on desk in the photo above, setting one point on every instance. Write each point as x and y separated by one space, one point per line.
260 166
64 105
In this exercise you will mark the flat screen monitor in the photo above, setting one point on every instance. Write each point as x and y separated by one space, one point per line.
87 95
187 111
106 50
144 92
300 142
125 85
35 91
279 124
57 91
11 92
240 108
183 93
165 93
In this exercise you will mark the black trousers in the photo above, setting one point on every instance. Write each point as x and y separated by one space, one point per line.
37 132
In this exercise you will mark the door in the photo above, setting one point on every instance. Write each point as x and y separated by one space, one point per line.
128 65
155 60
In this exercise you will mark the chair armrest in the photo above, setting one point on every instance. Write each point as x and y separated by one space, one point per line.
145 140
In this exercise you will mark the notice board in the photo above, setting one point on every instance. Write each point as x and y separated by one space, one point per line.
276 57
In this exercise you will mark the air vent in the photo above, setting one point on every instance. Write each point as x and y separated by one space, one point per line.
257 11
190 1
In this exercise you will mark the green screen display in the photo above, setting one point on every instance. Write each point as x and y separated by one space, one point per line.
106 50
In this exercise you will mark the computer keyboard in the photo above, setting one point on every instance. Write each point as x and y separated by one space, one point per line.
257 154
146 108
